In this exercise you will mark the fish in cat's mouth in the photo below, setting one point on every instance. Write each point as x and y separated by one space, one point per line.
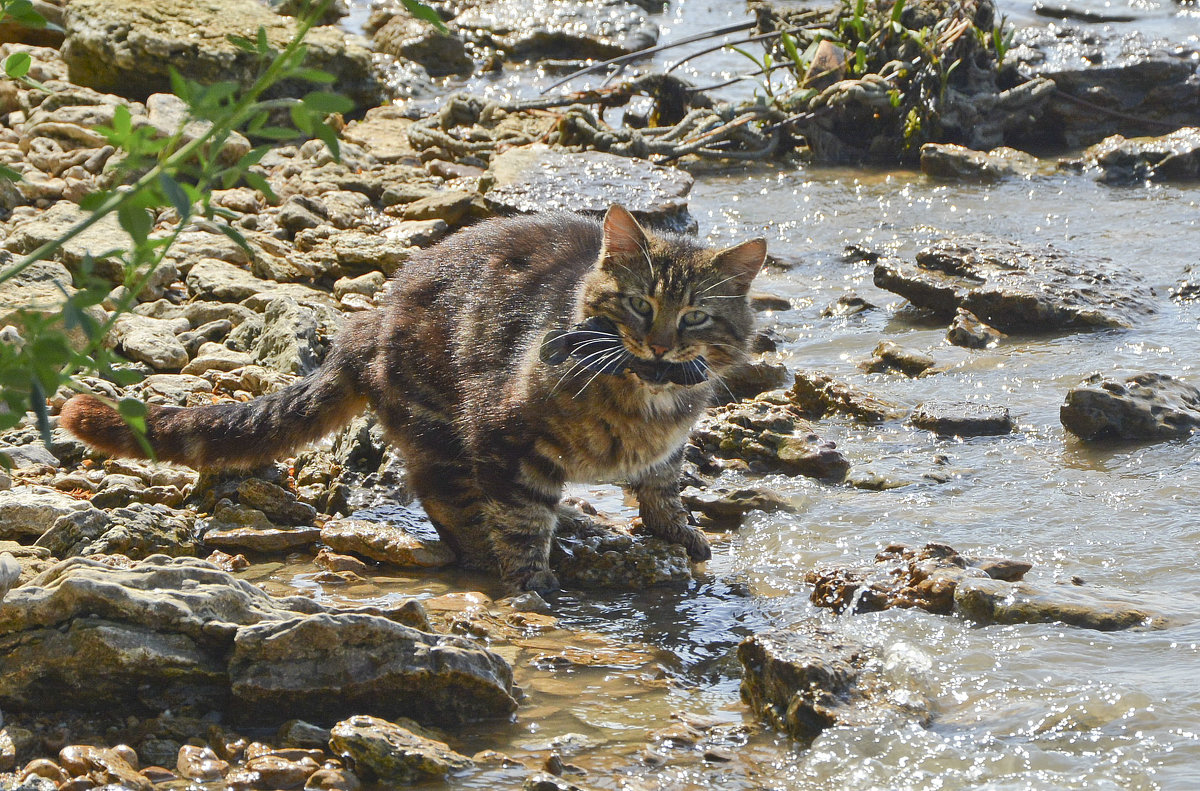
596 345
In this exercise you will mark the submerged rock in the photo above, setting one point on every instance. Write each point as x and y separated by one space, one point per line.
587 552
540 29
538 178
1146 406
949 162
391 753
969 332
390 542
772 435
724 507
962 418
1106 610
817 395
890 357
167 633
1173 157
1017 288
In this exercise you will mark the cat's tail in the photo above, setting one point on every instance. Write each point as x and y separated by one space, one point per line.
239 435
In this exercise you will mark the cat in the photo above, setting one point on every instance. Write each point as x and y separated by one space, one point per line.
516 355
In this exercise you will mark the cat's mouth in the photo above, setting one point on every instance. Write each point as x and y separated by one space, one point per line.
596 345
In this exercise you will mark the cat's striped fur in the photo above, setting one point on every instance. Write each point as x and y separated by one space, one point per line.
489 431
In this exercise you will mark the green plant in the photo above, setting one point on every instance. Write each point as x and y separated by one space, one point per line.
156 174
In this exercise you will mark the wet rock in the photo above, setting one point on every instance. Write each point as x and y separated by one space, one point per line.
748 380
1108 82
847 305
102 766
298 733
124 47
545 29
537 178
277 771
904 577
772 436
724 507
332 780
762 302
213 279
32 510
994 601
962 418
589 553
270 540
388 542
392 753
949 162
138 531
200 763
1146 406
1173 157
416 40
816 395
151 341
969 332
1019 289
164 633
278 504
545 781
890 357
803 684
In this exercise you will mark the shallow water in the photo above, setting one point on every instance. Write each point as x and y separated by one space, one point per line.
1013 707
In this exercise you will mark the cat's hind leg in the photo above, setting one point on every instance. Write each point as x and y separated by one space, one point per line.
662 511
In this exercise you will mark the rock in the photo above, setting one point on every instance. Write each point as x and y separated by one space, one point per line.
770 434
1129 84
40 290
904 577
332 780
151 341
392 753
587 553
399 545
969 332
545 781
271 540
368 284
168 114
803 684
1173 157
277 771
890 357
537 178
751 379
381 666
383 131
547 29
949 162
726 507
22 456
215 357
762 301
102 766
1146 406
299 212
125 46
137 531
298 733
962 418
416 40
213 279
212 332
32 510
278 504
994 601
166 633
847 305
816 395
1019 289
450 206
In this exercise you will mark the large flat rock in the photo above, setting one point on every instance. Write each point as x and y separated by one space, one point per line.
537 178
1147 406
1016 288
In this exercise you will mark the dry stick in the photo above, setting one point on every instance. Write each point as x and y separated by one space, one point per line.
724 31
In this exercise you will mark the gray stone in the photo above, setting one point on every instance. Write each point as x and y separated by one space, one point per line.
546 29
1146 406
890 357
167 113
213 279
1019 289
388 542
750 379
151 341
268 540
215 357
39 290
817 395
279 504
125 47
172 389
537 178
995 601
969 332
211 332
590 553
393 754
416 40
1173 157
289 341
31 455
949 162
32 510
962 418
137 531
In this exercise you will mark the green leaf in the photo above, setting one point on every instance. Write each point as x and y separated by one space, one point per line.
276 132
242 43
17 65
329 137
314 75
325 102
259 183
175 193
423 12
236 236
789 46
126 376
302 117
8 174
136 221
897 10
23 12
131 408
264 46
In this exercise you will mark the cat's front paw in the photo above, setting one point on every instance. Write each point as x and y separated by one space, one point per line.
696 544
542 583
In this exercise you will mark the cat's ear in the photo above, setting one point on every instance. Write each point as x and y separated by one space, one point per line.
741 262
623 237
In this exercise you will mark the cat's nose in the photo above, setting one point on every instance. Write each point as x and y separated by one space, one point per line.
659 351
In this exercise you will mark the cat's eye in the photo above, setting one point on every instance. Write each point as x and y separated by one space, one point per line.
640 306
693 318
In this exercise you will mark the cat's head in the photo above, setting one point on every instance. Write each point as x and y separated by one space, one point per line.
671 299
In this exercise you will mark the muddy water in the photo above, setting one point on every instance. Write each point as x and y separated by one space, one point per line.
1012 707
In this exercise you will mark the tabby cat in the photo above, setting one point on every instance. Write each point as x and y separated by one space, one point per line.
514 356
